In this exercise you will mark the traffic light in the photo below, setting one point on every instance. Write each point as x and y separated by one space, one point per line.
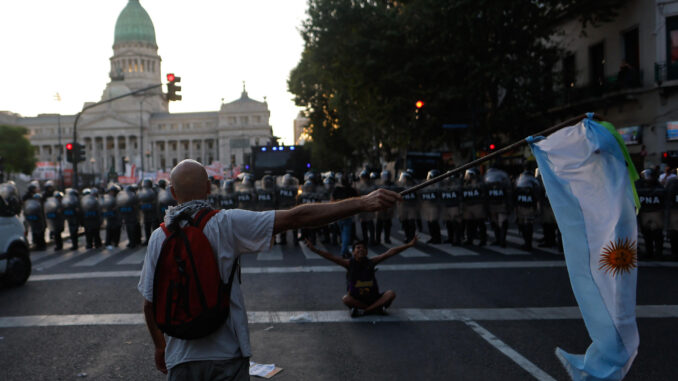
419 104
492 147
69 152
172 88
79 154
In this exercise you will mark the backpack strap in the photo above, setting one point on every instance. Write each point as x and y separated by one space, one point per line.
203 217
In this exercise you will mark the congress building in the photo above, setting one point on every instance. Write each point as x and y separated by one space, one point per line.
139 129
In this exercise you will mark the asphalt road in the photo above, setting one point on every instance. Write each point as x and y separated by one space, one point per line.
460 314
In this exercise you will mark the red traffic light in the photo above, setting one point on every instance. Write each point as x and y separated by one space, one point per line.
492 146
419 104
69 146
170 77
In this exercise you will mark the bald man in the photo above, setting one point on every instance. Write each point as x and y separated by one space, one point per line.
224 354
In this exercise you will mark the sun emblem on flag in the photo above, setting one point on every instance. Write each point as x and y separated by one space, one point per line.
618 257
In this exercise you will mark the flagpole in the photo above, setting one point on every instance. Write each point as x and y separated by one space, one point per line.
499 152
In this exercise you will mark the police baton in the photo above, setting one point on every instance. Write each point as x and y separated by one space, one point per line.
499 152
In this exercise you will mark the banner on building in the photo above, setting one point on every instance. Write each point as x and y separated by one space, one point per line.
45 170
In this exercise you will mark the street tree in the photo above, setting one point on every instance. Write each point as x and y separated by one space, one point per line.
16 150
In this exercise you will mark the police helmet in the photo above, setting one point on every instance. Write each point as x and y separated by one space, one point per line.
648 174
248 180
162 183
129 188
58 195
147 183
10 204
471 174
364 174
537 174
49 184
115 188
36 196
329 182
72 192
33 187
307 187
229 185
309 175
86 191
386 175
432 173
406 177
267 182
288 180
374 175
94 192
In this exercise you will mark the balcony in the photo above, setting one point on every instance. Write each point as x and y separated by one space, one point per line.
614 87
665 73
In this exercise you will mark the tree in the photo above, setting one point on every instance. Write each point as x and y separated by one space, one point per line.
15 149
487 63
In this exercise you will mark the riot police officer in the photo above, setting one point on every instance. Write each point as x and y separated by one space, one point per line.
265 194
165 199
49 190
652 197
227 196
329 232
526 203
498 189
451 212
32 189
91 217
385 217
474 201
308 196
672 209
112 215
213 197
71 205
33 213
245 193
430 207
128 206
365 186
148 203
54 214
286 198
408 209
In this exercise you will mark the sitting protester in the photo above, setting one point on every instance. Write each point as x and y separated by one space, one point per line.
363 295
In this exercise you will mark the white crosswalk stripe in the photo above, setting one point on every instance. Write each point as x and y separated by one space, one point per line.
97 257
307 252
411 252
455 251
135 258
60 259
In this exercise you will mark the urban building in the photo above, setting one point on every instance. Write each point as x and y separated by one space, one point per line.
300 123
627 71
140 130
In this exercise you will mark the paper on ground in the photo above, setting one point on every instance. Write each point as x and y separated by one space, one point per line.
263 370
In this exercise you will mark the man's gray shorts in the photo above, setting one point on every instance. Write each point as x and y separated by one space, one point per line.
222 370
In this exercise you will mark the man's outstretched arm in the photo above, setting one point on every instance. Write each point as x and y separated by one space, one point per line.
393 251
340 261
157 336
319 214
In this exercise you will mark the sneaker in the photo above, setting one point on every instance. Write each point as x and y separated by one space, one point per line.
355 312
109 247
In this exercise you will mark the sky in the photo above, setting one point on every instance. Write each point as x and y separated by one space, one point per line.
64 46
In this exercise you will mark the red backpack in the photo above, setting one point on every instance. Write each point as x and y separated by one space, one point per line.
189 298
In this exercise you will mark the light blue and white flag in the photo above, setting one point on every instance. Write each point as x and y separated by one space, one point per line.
588 185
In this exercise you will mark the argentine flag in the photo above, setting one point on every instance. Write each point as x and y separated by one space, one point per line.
592 196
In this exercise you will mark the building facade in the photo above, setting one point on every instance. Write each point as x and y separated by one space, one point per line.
140 130
627 71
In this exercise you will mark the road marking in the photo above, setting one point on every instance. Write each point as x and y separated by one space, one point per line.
507 250
307 252
342 316
96 258
40 255
60 259
274 254
136 258
502 347
325 269
411 252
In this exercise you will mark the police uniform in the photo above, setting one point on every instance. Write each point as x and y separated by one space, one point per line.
128 206
148 203
286 199
430 207
245 193
265 194
227 197
91 218
112 216
672 210
54 214
365 186
34 214
165 199
308 196
498 185
526 203
652 196
385 217
71 205
548 218
451 214
408 208
474 204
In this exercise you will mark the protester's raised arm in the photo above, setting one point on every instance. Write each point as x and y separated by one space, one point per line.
340 261
393 251
319 214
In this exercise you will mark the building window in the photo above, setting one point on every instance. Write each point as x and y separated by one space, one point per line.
257 119
597 62
629 71
244 120
231 120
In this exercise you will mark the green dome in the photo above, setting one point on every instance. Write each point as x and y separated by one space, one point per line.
134 24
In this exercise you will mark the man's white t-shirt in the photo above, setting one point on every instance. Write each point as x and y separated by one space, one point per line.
231 233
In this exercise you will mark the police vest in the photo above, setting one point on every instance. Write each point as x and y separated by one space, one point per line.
429 196
651 199
227 202
496 195
525 197
410 197
306 198
472 195
450 198
265 199
244 197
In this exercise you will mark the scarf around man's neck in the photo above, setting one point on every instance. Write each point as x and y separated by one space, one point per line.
185 209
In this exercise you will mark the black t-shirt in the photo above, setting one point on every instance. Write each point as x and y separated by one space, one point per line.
360 280
341 192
